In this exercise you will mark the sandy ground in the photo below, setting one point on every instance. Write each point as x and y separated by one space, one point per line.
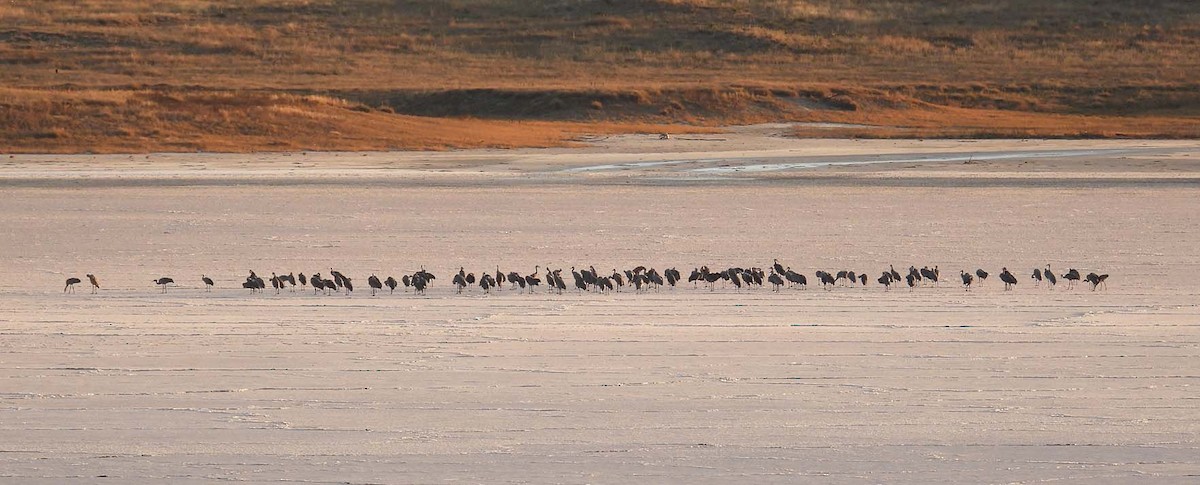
853 385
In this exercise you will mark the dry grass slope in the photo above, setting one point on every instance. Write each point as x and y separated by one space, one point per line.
101 74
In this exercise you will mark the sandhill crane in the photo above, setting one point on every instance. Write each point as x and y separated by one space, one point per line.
863 278
71 282
912 271
500 278
966 279
374 283
1096 280
778 267
163 282
827 280
276 283
911 279
840 275
618 279
95 284
419 282
695 277
1050 277
654 277
317 282
460 281
795 278
1072 276
590 276
303 280
711 278
1037 277
559 284
254 283
886 280
981 274
775 279
532 279
580 284
604 283
208 282
391 284
1008 279
895 274
930 275
733 278
852 276
486 282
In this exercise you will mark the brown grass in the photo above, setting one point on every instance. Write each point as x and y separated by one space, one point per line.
155 120
1109 66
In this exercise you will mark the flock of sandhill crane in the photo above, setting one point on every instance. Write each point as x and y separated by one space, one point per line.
639 279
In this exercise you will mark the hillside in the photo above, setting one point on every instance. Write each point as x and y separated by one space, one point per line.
124 75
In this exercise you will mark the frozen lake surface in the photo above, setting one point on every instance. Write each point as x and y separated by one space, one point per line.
682 385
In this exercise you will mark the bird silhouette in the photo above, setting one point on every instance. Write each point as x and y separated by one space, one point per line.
95 284
1008 279
460 281
374 283
419 282
796 279
1097 280
981 274
966 279
775 279
208 282
1037 277
339 280
1072 276
930 275
71 282
532 279
1050 277
391 284
559 284
163 282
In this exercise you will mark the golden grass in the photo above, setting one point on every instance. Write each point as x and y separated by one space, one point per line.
1053 67
150 120
413 44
